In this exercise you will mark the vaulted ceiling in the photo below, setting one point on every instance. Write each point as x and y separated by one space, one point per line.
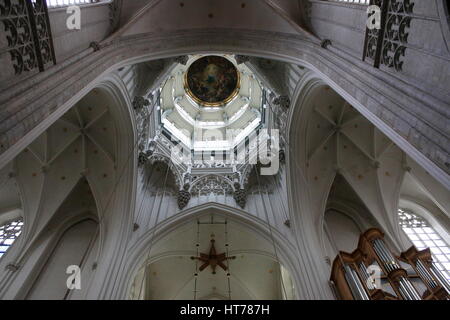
254 273
166 15
81 145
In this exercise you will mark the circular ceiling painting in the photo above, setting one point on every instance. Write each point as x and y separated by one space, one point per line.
212 81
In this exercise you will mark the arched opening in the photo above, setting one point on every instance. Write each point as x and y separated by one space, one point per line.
69 182
74 244
344 232
211 257
346 218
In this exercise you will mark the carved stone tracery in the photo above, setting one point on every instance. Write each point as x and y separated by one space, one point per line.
28 34
240 195
387 46
240 59
181 59
142 116
212 184
183 198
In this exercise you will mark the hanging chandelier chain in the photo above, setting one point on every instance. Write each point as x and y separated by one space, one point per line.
227 260
197 245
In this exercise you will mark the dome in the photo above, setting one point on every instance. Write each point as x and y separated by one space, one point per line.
212 81
211 103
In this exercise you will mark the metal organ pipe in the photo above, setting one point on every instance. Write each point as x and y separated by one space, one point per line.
406 289
383 257
361 288
355 284
380 252
425 274
411 288
444 282
405 285
387 254
351 272
366 276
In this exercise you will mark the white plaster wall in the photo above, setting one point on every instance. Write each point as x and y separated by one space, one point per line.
95 26
343 233
426 63
70 250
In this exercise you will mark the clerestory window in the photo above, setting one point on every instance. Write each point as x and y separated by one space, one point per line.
423 236
9 232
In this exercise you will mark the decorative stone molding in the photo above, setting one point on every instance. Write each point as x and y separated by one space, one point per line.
283 101
31 101
140 102
158 158
212 184
182 59
144 156
325 43
142 116
187 178
95 45
280 106
12 267
209 164
282 156
240 59
240 196
183 197
244 174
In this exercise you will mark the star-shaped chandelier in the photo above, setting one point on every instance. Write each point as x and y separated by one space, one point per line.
213 259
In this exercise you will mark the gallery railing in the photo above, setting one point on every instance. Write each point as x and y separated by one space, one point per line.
28 36
387 44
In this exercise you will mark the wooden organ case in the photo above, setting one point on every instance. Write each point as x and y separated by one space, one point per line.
410 276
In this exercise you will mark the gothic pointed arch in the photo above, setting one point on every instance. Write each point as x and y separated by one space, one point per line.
75 243
150 246
345 219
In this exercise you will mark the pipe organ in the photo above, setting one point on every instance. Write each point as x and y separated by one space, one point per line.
355 278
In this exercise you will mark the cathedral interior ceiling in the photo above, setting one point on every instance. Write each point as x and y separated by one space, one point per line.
100 144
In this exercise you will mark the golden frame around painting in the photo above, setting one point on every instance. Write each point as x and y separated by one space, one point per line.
220 103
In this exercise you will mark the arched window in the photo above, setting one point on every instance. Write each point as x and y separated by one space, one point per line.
9 232
422 235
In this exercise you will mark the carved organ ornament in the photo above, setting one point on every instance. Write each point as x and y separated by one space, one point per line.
351 278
